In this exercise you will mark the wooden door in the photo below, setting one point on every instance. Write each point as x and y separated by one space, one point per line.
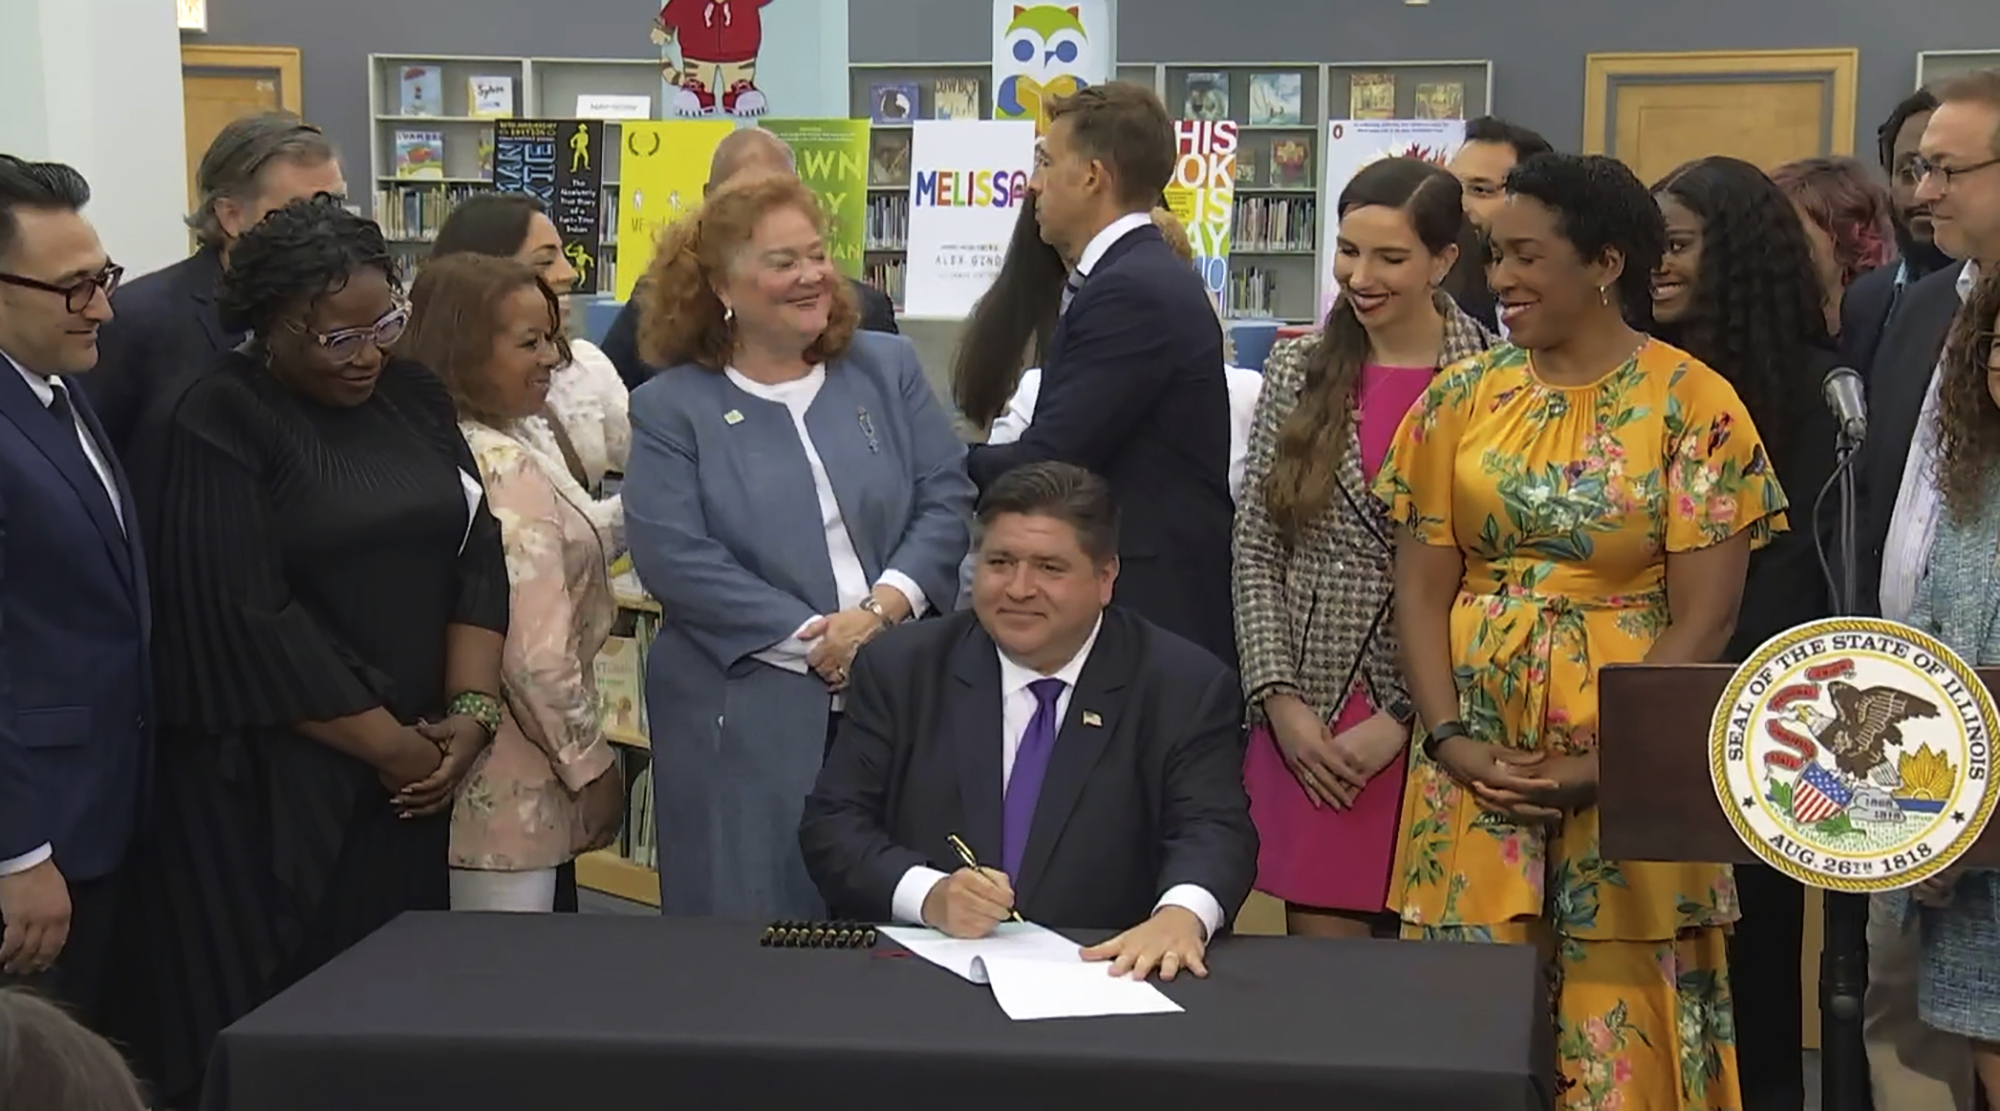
222 84
1768 107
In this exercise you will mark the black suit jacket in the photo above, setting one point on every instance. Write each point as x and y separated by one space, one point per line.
621 341
1865 310
75 620
1898 376
1133 389
1146 796
164 331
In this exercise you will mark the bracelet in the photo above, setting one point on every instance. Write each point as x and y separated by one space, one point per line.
870 606
480 707
1445 731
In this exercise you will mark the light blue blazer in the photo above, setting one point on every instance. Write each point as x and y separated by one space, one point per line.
725 532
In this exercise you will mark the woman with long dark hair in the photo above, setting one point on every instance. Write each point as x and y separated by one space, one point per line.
1737 290
1313 552
1958 601
1010 326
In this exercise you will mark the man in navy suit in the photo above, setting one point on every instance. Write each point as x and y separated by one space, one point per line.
168 329
1132 385
74 678
1091 761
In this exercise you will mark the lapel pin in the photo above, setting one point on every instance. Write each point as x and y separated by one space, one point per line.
1091 719
734 416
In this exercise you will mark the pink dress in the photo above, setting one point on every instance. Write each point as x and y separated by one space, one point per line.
1335 859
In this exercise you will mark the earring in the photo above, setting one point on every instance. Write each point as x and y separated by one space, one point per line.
728 315
1604 296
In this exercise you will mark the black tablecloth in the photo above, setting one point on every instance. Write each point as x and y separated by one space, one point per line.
438 1012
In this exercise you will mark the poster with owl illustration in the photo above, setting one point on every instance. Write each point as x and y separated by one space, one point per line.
1045 51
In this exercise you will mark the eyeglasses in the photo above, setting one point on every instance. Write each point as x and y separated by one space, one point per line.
78 294
347 344
1921 168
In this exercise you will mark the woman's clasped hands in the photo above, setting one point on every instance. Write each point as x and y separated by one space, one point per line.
1529 786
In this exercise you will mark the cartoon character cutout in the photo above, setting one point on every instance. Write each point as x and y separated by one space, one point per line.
1051 49
717 42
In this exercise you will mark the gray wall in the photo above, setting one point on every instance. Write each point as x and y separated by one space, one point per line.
1537 46
336 39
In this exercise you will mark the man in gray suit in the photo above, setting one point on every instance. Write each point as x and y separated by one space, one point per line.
748 150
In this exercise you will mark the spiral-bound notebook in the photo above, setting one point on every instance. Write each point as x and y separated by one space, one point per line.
818 935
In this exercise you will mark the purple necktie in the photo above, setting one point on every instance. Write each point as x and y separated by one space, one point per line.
1031 762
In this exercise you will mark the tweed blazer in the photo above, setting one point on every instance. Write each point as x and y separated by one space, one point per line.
1314 618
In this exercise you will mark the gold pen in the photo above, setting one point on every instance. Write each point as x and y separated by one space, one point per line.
964 852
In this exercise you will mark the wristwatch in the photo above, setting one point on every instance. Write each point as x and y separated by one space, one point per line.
1439 734
870 605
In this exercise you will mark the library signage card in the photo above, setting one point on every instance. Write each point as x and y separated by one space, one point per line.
1352 145
967 181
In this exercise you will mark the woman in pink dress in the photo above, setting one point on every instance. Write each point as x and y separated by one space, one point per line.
1313 553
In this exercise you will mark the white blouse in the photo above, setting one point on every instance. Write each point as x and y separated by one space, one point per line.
590 401
850 580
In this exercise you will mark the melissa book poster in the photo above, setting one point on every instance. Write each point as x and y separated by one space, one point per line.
967 181
1351 145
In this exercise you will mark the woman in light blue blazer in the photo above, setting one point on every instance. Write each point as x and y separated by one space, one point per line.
794 489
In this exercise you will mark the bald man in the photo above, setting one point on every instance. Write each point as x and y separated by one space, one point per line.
747 150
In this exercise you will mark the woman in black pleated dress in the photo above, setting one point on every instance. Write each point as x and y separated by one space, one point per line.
330 602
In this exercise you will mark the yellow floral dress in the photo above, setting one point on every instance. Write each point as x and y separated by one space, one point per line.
1564 502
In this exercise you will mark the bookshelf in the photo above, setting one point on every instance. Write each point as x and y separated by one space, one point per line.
880 93
1936 65
410 209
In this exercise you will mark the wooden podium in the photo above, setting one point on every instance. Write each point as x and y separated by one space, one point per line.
1653 781
1658 803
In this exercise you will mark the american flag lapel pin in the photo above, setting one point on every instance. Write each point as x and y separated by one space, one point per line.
1091 718
734 416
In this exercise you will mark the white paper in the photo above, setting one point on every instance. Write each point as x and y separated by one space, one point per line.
1027 988
1035 972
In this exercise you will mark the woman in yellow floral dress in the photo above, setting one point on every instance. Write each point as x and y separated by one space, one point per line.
1580 496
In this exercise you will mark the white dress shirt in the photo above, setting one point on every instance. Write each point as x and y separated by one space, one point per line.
1913 524
1017 710
1114 231
850 581
45 392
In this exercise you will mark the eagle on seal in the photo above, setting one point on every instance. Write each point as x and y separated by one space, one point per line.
1865 724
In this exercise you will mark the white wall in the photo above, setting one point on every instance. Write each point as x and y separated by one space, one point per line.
97 84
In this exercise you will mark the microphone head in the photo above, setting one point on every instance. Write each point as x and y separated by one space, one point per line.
1844 394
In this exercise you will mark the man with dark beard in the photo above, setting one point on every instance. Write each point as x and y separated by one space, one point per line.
1873 299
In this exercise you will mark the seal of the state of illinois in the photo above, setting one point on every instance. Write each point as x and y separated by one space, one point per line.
1855 754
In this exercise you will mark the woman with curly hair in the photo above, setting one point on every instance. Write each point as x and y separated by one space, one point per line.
795 490
1849 219
1958 602
1578 496
330 601
1736 290
1331 717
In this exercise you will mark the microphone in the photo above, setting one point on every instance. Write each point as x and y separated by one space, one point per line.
1842 390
